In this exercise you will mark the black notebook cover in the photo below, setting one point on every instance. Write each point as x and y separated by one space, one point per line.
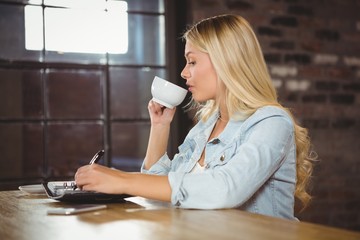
64 191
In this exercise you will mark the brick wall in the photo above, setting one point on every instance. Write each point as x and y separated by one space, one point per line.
313 52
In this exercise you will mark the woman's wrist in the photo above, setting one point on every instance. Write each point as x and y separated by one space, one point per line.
125 182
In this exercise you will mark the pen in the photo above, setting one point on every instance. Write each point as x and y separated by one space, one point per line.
97 157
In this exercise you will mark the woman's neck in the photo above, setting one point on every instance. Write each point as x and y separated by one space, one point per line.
223 114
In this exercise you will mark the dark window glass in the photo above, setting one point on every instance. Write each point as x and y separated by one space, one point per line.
71 145
74 94
130 91
129 142
150 6
21 150
20 94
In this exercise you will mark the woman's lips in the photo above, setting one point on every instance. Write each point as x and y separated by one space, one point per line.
190 88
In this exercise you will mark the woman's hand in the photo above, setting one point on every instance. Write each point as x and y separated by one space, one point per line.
107 180
101 179
161 118
160 114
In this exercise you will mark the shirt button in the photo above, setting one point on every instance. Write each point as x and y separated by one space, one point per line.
222 158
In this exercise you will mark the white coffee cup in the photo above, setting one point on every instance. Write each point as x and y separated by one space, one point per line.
166 93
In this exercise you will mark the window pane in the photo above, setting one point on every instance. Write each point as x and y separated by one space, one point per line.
71 145
21 94
92 31
130 91
154 6
87 31
129 143
34 2
95 4
74 94
12 40
34 39
146 42
21 150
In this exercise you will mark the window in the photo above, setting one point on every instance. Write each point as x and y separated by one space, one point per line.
99 27
75 77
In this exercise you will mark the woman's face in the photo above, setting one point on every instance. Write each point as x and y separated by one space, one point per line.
199 74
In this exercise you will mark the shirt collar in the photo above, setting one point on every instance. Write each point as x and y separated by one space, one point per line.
226 136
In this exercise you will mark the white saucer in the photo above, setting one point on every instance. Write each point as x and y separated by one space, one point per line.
33 189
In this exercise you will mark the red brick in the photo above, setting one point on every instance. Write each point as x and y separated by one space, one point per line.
311 71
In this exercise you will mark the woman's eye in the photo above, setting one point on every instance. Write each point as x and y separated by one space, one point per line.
191 63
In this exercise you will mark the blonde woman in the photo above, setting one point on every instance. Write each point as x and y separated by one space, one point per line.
246 150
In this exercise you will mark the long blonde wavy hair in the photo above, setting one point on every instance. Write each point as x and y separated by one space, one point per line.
238 60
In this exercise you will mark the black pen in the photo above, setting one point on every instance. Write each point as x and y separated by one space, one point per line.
97 157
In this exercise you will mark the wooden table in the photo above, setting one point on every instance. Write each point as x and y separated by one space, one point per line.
25 217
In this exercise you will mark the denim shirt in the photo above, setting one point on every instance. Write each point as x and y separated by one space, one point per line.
251 165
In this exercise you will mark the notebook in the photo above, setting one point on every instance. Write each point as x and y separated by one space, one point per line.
64 191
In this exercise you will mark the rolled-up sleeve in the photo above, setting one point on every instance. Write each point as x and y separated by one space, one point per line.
161 167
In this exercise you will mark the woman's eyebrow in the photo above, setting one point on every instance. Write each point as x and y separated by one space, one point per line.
188 53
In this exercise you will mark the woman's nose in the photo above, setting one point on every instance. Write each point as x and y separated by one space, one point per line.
184 73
